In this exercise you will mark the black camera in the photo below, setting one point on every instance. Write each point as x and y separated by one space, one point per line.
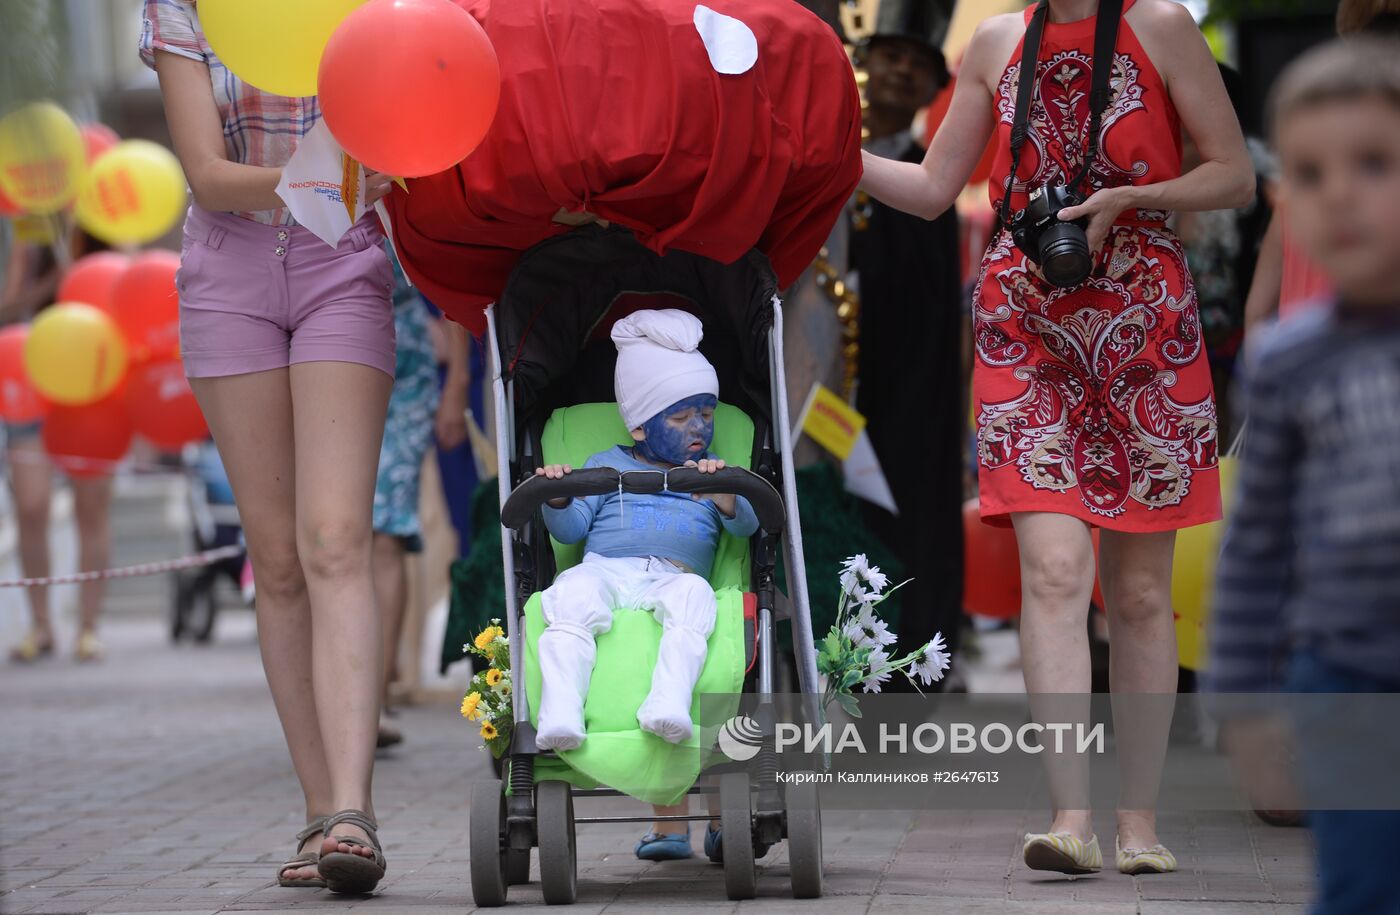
1060 249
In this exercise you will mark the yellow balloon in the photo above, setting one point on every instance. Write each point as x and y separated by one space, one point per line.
272 44
133 194
1193 578
42 157
74 354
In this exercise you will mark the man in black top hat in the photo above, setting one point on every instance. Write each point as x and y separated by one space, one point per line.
911 324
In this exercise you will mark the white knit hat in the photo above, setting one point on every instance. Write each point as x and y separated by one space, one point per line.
658 363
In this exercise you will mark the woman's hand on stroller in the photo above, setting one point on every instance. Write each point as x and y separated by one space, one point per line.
556 472
723 501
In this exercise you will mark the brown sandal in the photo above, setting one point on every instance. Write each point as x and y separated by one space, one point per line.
303 858
347 872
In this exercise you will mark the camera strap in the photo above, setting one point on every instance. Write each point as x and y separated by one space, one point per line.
1100 91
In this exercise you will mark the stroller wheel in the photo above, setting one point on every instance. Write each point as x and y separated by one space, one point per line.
487 843
804 838
202 611
736 819
554 811
179 605
517 866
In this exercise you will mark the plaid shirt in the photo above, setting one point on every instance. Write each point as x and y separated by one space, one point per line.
259 128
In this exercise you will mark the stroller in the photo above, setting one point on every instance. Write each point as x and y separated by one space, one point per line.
215 523
553 383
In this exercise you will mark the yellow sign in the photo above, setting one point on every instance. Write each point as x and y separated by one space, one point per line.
1193 578
831 422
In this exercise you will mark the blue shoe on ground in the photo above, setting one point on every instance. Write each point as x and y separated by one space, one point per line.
714 844
655 846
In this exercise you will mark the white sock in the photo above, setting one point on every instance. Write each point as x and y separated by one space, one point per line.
672 725
559 735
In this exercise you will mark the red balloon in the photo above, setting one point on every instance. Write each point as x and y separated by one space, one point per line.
409 87
98 138
8 207
162 406
87 441
92 278
991 567
146 306
19 402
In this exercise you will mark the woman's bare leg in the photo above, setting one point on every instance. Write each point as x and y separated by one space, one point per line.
251 419
1142 669
31 482
1057 581
92 504
391 590
338 421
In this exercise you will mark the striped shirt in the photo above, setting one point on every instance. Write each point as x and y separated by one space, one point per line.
1312 553
259 128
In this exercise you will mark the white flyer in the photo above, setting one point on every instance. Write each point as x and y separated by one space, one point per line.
323 186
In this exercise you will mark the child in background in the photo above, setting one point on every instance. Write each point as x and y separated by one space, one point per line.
652 552
1308 572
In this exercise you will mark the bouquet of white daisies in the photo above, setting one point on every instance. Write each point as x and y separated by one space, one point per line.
859 649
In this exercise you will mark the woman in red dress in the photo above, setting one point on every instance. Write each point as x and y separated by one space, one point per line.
1094 402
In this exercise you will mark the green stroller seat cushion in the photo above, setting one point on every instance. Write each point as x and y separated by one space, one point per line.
617 753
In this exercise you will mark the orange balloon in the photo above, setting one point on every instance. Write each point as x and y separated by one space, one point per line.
162 406
98 138
146 307
87 441
19 402
409 87
92 278
991 567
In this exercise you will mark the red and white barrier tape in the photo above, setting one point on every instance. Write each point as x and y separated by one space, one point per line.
97 465
149 568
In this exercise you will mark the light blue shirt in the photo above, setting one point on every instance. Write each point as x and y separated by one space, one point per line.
665 525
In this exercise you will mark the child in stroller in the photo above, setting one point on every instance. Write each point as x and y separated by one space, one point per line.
658 561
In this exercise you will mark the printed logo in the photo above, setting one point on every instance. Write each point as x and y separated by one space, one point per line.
740 738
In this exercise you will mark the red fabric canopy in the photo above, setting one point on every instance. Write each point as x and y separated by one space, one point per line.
612 107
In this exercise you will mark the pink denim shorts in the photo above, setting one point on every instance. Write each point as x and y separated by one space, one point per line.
255 297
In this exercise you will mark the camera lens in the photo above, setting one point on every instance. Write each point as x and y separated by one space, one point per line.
1064 254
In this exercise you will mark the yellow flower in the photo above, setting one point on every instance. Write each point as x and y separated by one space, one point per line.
494 676
469 706
487 636
488 730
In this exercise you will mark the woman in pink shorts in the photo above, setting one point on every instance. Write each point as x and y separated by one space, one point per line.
289 346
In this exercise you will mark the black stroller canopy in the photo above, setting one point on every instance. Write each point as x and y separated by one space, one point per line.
562 298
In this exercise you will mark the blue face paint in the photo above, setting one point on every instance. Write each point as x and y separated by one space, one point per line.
681 432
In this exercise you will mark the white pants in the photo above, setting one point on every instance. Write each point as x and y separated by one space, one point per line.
578 608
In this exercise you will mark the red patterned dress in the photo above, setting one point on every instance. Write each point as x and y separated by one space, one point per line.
1094 401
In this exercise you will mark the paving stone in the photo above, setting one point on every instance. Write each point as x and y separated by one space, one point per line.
159 782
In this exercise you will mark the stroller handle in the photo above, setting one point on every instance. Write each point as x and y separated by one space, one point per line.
529 496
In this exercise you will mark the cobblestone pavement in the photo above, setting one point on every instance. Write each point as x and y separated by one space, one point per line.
157 781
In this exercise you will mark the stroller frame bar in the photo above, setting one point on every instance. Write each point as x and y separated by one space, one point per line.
505 446
792 535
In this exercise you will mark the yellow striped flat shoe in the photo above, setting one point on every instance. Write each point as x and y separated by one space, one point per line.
1061 852
1154 860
